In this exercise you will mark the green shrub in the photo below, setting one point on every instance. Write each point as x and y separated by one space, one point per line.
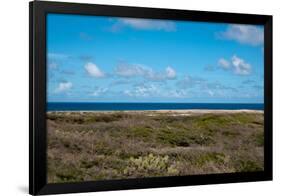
259 139
157 165
68 174
173 137
143 132
205 158
230 133
245 118
248 166
209 120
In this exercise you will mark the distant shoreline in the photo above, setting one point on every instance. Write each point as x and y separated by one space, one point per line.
184 111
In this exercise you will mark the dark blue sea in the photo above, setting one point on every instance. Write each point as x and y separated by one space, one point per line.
68 106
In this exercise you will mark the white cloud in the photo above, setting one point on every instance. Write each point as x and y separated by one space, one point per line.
170 73
137 70
178 94
128 92
55 59
224 63
211 93
240 66
131 70
155 91
192 86
93 70
63 87
245 34
99 91
236 64
142 91
144 24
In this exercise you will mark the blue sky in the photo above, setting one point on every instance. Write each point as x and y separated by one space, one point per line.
110 59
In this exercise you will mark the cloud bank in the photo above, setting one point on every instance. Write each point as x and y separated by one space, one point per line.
93 70
63 87
236 64
136 70
244 34
144 24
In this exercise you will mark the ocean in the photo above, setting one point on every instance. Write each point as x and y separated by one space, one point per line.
69 106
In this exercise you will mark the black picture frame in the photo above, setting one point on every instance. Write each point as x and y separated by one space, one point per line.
37 105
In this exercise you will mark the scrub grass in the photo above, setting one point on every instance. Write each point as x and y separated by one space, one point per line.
86 146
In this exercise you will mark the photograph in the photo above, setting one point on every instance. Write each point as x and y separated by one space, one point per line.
131 98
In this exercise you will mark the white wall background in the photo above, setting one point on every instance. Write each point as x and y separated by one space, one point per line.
14 96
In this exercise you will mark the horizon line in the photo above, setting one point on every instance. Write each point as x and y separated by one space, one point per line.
157 102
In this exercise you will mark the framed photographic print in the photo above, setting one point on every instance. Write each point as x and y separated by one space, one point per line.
131 97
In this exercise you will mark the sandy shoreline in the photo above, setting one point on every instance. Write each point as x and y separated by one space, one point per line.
171 112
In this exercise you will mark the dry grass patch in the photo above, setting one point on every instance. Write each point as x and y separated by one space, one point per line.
85 146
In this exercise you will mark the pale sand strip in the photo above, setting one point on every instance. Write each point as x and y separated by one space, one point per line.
168 112
204 111
200 112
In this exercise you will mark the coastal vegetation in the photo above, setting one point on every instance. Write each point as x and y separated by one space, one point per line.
86 146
